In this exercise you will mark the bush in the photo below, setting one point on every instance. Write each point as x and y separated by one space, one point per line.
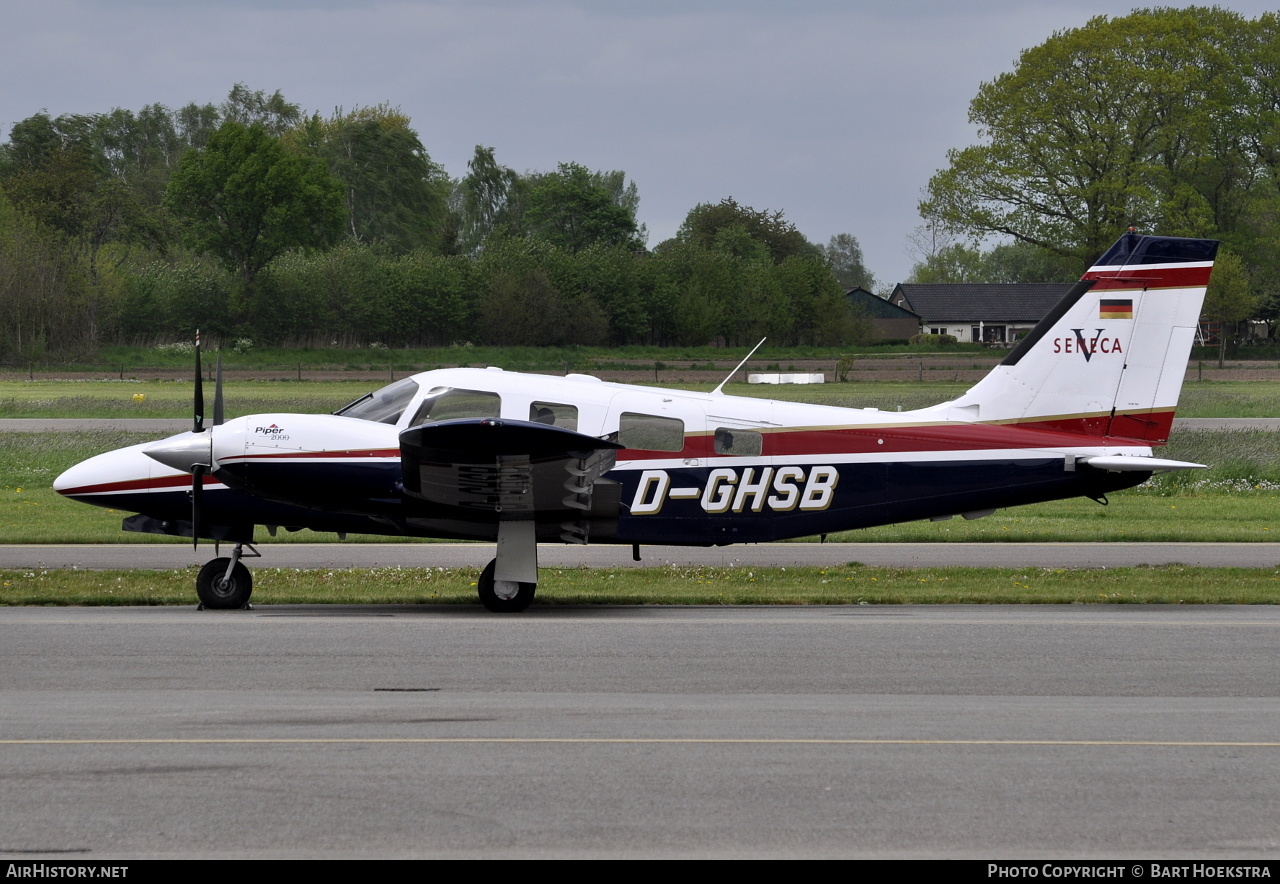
933 340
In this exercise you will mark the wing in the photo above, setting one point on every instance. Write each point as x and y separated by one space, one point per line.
487 470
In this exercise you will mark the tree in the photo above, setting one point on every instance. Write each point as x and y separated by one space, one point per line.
249 108
195 123
611 277
818 309
780 236
394 193
1131 121
142 149
574 209
41 291
844 255
1007 263
955 263
694 289
1230 299
1021 262
488 199
246 199
59 172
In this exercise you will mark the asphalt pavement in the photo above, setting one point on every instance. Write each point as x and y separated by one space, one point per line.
984 732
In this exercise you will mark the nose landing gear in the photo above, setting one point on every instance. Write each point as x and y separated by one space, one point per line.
225 583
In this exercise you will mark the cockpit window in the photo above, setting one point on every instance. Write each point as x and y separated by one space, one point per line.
447 404
382 406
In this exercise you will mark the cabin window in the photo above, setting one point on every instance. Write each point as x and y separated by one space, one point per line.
649 432
738 442
382 406
449 404
554 414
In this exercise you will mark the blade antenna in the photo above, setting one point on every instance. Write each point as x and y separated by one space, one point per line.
217 395
720 389
198 426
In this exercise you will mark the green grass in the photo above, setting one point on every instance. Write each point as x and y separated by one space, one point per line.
169 399
172 399
850 584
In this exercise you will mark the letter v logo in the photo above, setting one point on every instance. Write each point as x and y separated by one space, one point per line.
1084 345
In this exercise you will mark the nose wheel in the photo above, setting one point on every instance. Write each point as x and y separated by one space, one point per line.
225 583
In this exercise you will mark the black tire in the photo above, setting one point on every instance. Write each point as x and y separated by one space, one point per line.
219 593
490 599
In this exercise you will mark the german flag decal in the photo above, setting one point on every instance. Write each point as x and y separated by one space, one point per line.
1115 308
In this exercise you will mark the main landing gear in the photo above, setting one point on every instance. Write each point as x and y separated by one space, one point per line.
224 583
504 596
507 583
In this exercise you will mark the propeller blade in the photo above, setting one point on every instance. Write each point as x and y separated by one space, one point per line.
217 396
197 502
198 427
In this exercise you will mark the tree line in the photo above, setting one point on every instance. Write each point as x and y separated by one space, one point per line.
253 219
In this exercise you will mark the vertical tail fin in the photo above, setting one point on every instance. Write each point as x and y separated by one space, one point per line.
1110 357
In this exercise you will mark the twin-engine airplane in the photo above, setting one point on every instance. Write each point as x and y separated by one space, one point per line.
1073 411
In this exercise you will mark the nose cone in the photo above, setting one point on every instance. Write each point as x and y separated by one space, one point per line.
184 451
104 477
85 475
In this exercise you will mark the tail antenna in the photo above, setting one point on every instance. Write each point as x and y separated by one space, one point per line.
720 389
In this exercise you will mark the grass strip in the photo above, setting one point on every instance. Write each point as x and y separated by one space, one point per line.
851 584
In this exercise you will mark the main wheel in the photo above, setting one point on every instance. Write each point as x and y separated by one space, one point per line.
504 596
218 591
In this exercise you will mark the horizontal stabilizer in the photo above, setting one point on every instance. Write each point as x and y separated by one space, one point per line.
1123 464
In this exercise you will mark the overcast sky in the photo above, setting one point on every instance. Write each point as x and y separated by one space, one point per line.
837 113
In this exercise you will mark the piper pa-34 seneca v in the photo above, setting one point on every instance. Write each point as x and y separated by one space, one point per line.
1073 410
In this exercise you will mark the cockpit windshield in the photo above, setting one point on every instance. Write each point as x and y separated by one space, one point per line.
382 406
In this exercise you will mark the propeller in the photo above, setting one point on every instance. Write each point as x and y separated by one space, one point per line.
217 394
199 470
197 501
199 393
193 452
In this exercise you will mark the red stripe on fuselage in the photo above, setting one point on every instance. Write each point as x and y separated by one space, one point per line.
1154 426
165 483
1055 432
